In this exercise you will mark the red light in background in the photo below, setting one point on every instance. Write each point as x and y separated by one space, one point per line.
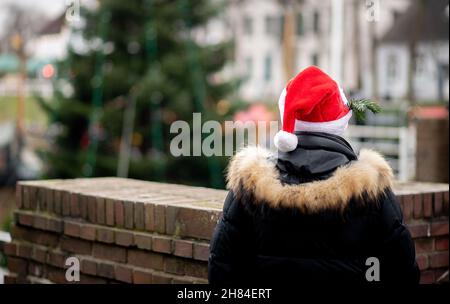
48 71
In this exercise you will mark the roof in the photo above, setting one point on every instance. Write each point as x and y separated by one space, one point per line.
422 21
54 26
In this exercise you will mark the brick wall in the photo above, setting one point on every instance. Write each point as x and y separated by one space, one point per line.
432 148
142 232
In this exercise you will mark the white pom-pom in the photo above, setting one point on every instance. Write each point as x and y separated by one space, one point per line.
285 141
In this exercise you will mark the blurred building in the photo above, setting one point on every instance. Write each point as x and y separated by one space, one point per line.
351 39
421 32
258 28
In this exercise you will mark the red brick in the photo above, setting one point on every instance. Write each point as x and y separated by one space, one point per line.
445 203
159 278
424 245
40 222
139 216
183 280
87 232
149 217
87 279
35 269
72 228
25 219
92 209
439 228
55 225
128 214
441 243
143 240
49 200
57 276
66 197
119 216
101 213
201 251
106 270
18 266
419 230
24 251
427 277
34 236
145 259
28 197
439 259
428 205
40 200
162 244
438 203
407 204
56 258
10 249
179 222
74 205
182 248
40 254
124 238
174 265
105 235
422 262
196 269
10 278
124 274
418 207
142 277
88 267
19 202
160 218
32 197
57 201
83 204
109 212
76 246
108 252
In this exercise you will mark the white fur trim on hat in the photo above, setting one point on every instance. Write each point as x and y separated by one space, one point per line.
285 141
336 127
281 102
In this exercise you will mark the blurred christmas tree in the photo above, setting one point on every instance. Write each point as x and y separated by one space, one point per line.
139 70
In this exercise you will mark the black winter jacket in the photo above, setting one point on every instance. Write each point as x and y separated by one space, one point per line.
312 215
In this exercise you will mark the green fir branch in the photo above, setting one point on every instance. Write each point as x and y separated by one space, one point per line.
360 107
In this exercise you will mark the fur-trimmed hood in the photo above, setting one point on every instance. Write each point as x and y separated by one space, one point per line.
253 170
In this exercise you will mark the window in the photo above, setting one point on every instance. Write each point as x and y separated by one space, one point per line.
300 30
274 26
267 68
316 22
419 65
248 26
315 59
392 67
248 68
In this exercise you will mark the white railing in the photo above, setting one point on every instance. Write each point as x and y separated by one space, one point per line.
397 144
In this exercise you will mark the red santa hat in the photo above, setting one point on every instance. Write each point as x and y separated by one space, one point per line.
311 101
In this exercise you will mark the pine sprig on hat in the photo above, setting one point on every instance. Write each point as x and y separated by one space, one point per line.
360 106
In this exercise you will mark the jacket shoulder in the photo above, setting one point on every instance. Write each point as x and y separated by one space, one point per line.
253 170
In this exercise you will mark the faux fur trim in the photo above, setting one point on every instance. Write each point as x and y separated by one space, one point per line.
253 170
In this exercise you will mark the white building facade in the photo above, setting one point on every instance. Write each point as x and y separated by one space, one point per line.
257 30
